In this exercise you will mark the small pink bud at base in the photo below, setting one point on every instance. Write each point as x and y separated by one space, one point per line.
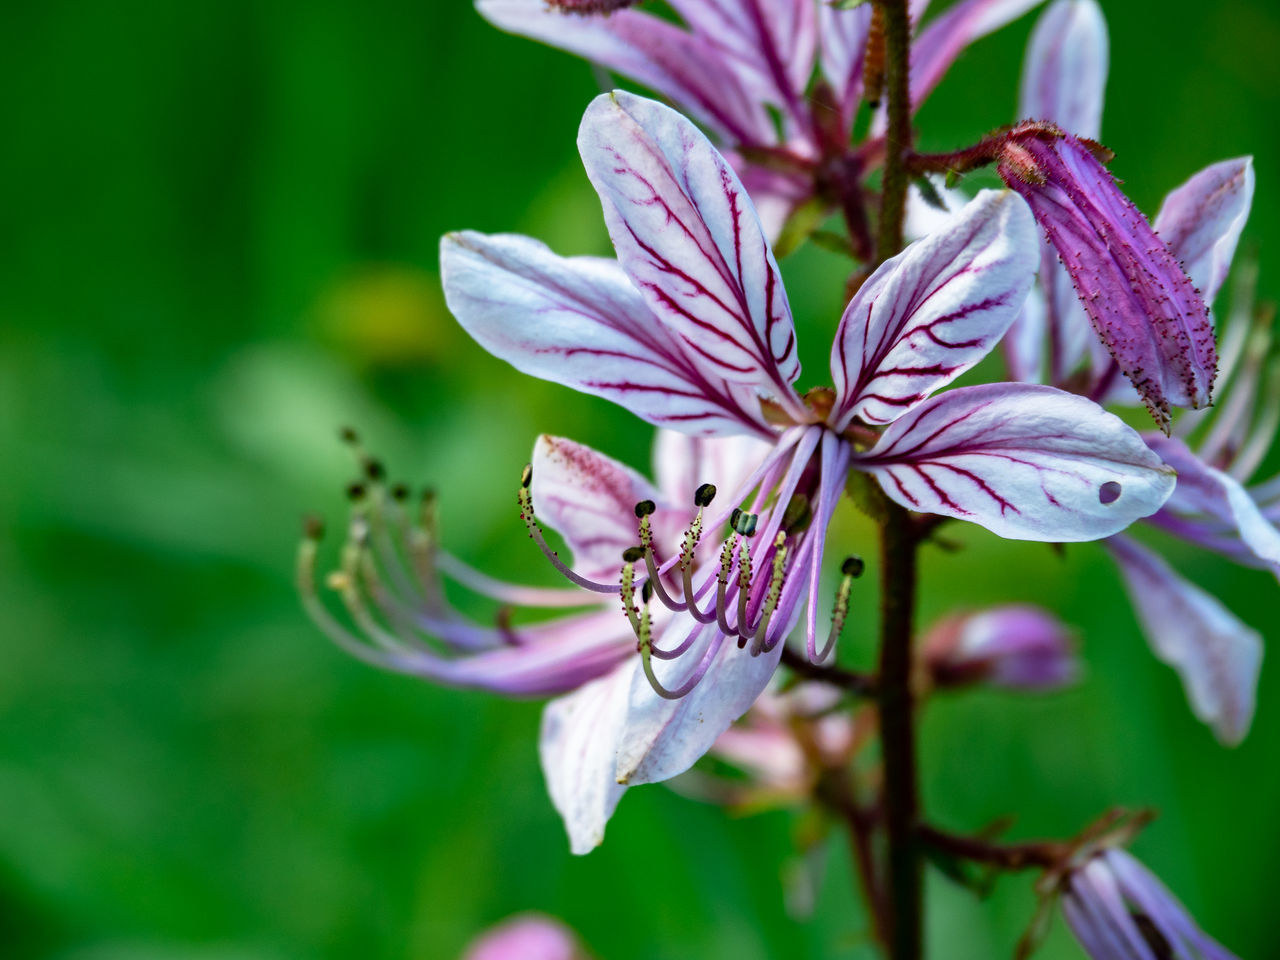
1014 647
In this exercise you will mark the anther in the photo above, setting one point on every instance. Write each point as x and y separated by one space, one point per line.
645 508
373 469
743 522
633 554
348 435
526 476
646 591
400 492
355 492
853 567
703 496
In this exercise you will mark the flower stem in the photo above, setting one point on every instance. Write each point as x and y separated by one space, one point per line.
897 40
897 736
1007 856
850 681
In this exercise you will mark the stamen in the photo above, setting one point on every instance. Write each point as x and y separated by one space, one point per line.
692 680
525 499
744 592
744 523
644 510
851 569
772 597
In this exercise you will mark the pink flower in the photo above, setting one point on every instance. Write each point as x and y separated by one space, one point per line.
1015 647
529 936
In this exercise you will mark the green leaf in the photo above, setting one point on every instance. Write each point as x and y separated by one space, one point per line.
804 220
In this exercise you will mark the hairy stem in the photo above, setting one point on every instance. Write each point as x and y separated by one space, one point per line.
1006 856
897 736
897 45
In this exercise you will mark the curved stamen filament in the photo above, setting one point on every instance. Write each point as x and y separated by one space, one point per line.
771 599
694 678
525 499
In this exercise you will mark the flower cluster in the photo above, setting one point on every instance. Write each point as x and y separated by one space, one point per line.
717 563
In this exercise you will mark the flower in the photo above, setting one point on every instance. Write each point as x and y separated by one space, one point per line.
529 936
1118 910
1014 647
690 329
1214 452
730 61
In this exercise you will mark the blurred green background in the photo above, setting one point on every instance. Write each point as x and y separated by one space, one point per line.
219 244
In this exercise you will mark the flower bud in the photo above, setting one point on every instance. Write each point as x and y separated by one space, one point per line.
528 937
1141 302
1014 647
1116 907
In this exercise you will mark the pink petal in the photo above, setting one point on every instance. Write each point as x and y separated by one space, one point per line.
690 70
580 322
1065 74
589 499
934 310
946 37
683 463
1202 219
688 235
528 937
771 43
1217 656
578 747
1026 462
843 35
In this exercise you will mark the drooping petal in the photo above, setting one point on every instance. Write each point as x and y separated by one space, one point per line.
1065 73
589 499
579 321
945 38
1202 219
934 310
690 70
578 747
1142 304
1207 491
1026 462
687 234
1216 655
661 738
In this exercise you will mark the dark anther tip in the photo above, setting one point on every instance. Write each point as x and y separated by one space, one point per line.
312 527
645 508
853 567
744 523
355 491
400 492
373 469
703 496
646 591
348 435
633 554
526 475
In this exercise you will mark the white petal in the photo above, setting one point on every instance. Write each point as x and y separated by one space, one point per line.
687 234
578 747
661 738
934 310
1217 656
580 322
1065 73
1202 219
590 500
1026 462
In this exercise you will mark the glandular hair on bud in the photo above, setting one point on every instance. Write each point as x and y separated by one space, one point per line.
526 476
703 496
853 567
645 508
